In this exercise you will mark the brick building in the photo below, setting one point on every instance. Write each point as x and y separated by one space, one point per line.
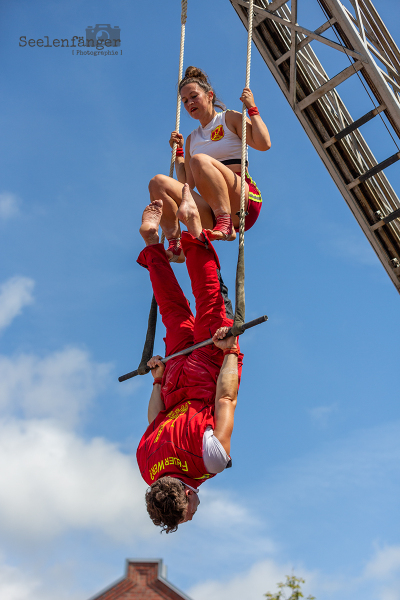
144 580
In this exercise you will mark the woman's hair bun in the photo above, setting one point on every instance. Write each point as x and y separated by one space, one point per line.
195 72
196 75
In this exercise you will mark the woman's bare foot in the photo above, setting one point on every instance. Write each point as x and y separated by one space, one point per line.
150 222
223 229
188 213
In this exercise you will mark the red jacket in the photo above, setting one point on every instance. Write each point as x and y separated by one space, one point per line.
173 443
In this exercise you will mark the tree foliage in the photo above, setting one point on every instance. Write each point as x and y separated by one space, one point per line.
293 585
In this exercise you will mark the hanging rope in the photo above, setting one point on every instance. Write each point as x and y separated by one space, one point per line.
152 322
237 327
178 100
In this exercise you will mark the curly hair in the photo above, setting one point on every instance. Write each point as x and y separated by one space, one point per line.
195 75
166 503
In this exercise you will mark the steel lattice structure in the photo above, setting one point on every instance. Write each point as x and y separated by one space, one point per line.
336 136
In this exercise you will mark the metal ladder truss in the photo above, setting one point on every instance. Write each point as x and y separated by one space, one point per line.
362 36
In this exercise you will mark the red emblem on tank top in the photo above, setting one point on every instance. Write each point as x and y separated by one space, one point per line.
217 133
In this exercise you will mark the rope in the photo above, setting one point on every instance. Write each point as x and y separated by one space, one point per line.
240 297
178 102
150 336
152 322
237 327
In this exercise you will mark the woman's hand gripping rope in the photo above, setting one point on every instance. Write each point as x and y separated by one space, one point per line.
247 98
176 138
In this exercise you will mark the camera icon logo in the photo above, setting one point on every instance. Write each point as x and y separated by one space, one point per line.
101 33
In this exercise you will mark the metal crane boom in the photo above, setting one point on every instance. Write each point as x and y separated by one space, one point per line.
372 54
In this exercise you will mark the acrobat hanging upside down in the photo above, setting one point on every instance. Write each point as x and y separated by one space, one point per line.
191 408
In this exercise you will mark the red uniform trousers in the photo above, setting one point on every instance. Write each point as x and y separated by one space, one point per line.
193 376
173 443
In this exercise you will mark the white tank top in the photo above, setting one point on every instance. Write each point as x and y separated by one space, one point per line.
216 140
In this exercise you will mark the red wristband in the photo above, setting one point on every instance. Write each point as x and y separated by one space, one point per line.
232 351
253 111
157 380
179 152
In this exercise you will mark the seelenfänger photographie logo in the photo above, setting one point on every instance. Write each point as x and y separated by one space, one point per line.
100 40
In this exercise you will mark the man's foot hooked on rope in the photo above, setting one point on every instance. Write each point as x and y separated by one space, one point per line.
150 222
174 251
188 213
223 229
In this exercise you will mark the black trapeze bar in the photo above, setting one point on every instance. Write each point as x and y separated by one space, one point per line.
199 345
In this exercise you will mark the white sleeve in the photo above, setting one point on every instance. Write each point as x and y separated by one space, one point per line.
214 456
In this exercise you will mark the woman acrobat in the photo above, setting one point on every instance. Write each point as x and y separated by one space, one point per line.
212 164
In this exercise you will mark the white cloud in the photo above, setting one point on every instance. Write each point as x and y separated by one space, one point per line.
52 481
382 573
229 522
389 593
59 385
15 293
15 585
9 205
385 563
262 577
23 583
219 509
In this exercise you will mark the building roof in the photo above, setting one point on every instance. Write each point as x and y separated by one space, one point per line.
144 579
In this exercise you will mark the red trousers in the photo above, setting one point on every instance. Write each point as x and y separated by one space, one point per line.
194 375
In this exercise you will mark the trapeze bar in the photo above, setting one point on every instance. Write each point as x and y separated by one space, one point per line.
199 345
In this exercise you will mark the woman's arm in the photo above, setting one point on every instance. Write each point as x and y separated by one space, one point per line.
226 400
257 134
188 171
156 403
182 167
226 392
177 138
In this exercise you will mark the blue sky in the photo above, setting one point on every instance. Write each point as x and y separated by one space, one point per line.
316 446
